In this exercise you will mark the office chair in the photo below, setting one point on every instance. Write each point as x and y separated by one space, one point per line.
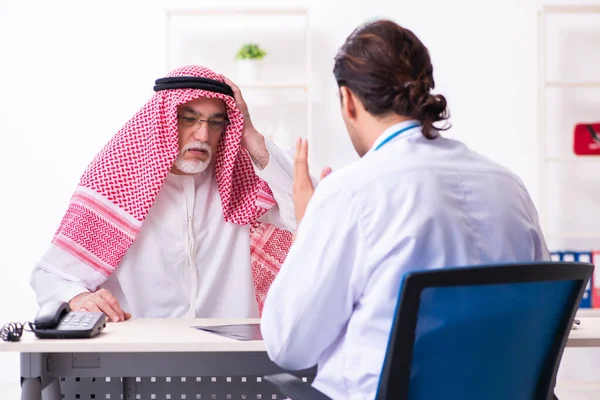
471 333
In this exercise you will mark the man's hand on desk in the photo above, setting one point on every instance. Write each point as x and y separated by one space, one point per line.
100 301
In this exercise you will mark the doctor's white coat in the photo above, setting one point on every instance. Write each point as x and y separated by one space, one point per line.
413 204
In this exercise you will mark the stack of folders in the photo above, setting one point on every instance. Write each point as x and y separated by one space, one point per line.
591 296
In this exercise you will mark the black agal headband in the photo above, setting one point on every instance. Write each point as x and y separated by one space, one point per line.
192 82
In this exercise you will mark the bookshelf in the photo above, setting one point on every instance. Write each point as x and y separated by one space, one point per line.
565 161
280 101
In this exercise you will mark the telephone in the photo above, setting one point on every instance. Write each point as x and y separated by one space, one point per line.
55 320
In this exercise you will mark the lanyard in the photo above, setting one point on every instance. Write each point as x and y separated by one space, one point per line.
393 135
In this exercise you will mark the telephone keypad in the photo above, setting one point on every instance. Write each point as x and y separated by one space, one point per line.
77 320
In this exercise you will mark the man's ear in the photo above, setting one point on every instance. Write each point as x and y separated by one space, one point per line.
348 102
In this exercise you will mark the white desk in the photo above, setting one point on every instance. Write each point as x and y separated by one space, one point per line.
585 335
588 312
140 349
144 335
579 373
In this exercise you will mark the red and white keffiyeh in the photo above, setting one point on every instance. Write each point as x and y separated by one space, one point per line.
120 185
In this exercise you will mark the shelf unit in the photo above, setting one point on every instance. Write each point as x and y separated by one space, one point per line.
573 234
274 85
555 84
304 85
574 159
570 9
543 85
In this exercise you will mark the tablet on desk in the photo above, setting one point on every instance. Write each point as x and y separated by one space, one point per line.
236 331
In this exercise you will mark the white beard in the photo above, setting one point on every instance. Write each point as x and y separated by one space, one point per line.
193 166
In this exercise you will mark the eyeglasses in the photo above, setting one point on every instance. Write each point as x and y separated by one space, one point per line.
216 125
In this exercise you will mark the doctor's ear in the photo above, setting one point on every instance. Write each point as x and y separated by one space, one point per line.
349 102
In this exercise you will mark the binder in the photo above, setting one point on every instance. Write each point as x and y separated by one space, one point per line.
572 256
586 300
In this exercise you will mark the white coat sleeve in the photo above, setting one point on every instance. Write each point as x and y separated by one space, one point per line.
312 297
279 175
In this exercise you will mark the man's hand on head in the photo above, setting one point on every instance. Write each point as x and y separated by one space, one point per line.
252 140
99 301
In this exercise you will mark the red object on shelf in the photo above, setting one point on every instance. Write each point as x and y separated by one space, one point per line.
596 280
586 139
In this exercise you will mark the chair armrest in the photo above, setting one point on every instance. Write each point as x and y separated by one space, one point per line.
294 388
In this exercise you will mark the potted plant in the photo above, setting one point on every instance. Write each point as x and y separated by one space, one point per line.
248 58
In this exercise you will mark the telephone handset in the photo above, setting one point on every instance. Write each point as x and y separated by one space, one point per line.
55 320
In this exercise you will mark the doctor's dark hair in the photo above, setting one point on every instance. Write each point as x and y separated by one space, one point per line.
388 68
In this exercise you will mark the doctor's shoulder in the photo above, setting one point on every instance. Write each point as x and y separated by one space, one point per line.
347 181
495 166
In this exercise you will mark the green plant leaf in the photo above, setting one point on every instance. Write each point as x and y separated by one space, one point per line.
250 51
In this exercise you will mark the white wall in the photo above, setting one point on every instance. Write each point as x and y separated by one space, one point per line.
72 72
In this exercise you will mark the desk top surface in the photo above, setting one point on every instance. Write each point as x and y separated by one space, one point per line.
143 335
588 312
587 334
179 335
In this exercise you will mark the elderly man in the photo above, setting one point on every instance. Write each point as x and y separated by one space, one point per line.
186 212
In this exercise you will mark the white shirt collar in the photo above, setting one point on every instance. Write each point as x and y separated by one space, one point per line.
391 130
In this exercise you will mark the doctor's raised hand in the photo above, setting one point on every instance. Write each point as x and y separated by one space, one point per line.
303 185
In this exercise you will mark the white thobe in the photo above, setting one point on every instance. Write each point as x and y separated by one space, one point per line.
186 261
414 204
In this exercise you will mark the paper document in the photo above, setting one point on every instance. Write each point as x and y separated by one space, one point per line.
239 331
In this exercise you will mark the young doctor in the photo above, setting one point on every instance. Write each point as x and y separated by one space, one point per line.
415 200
